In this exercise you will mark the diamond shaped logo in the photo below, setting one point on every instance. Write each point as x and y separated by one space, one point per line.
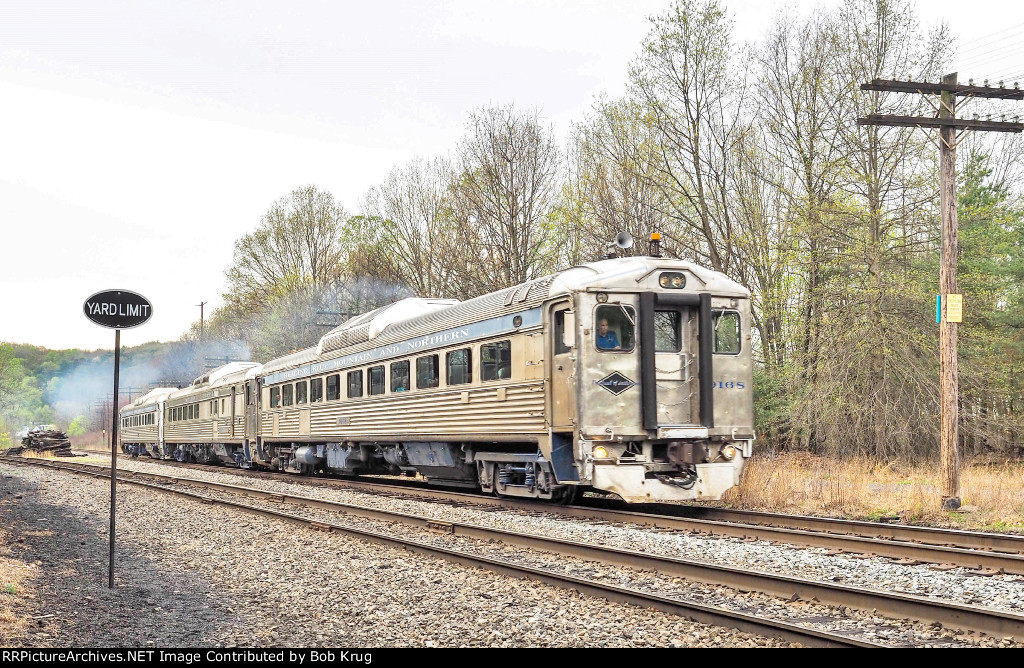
615 383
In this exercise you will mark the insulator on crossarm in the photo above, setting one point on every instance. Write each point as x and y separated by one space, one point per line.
986 83
970 82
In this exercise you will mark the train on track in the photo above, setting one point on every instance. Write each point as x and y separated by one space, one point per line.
627 375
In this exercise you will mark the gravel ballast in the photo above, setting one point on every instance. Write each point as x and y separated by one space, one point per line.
854 623
197 575
1005 592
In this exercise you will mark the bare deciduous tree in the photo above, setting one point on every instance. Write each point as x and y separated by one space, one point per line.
685 76
503 196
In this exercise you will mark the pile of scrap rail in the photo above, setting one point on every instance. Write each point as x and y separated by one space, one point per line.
44 442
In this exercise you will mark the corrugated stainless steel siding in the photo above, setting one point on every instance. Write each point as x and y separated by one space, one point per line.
522 411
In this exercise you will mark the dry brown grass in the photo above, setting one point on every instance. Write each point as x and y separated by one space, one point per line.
38 454
993 493
15 578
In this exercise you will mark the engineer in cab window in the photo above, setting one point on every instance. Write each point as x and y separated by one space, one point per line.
606 339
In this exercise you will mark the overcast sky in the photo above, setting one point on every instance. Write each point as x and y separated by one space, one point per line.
138 140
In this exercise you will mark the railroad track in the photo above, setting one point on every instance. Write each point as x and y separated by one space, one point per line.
986 553
894 605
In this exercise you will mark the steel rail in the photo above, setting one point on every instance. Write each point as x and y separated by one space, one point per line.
697 612
977 540
895 605
968 549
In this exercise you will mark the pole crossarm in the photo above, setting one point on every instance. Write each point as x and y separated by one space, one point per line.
924 87
932 122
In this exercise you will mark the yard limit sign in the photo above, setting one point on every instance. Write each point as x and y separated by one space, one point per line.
116 309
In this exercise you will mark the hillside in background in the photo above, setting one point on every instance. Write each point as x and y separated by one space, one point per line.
73 388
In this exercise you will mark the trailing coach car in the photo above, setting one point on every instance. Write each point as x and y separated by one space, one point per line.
629 375
142 424
204 422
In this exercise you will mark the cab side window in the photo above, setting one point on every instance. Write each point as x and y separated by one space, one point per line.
333 387
316 390
287 392
560 347
300 392
275 397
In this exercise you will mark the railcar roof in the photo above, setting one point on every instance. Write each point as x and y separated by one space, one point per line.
409 318
296 358
153 396
625 272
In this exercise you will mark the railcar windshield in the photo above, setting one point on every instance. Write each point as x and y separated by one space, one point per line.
727 332
666 331
615 328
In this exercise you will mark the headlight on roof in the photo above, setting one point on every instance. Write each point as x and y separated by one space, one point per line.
673 280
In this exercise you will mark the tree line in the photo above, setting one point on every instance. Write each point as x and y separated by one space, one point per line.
748 160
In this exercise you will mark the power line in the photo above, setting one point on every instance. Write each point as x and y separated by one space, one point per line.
992 57
985 40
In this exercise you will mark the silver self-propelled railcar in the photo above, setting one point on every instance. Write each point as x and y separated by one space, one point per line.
629 375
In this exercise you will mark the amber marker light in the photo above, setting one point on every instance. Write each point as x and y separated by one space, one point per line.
728 452
600 452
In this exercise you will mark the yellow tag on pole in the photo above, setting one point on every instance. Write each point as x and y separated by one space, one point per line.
954 308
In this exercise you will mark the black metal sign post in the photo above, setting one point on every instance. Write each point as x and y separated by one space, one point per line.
117 309
113 454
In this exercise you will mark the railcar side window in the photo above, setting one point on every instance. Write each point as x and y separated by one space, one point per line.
355 384
287 392
727 332
300 392
460 366
316 390
333 387
496 361
400 376
275 397
614 327
666 331
376 379
427 373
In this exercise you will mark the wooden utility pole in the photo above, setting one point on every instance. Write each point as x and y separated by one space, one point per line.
946 121
201 319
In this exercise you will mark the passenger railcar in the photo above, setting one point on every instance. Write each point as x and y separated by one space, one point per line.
629 375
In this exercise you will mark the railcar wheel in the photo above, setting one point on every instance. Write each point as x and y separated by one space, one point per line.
494 483
568 495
